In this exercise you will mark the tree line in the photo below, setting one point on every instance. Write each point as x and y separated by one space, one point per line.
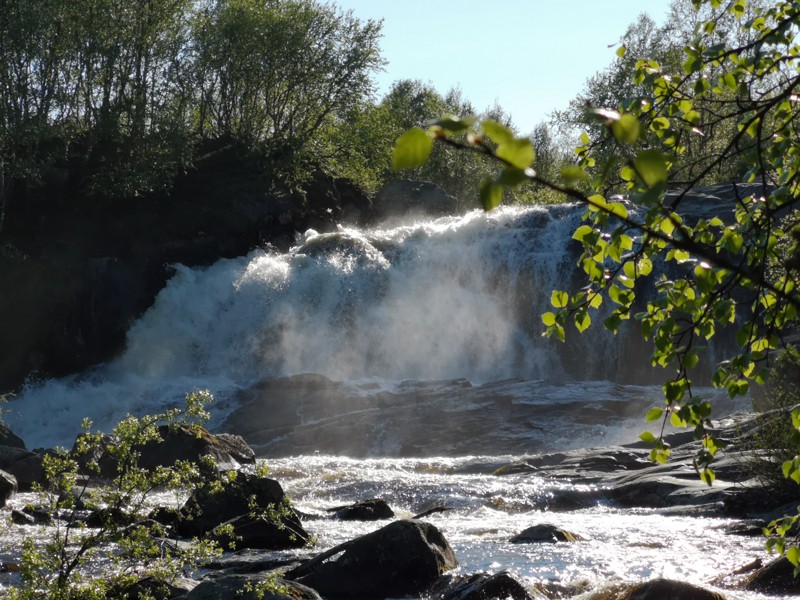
122 95
124 91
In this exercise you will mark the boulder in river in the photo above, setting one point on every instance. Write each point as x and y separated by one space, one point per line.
179 442
26 467
657 589
482 586
251 504
776 577
400 559
545 534
368 510
246 587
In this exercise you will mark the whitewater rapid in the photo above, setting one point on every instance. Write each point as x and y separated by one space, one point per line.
454 298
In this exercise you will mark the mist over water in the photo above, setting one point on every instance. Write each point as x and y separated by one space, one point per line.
451 298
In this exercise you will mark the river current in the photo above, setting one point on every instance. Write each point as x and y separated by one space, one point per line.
422 342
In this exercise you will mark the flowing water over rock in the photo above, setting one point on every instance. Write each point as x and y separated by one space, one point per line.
408 363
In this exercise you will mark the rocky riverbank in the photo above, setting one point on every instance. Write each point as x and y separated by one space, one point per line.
412 557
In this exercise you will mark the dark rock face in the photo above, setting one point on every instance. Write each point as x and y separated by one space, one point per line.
368 510
8 438
25 466
244 503
776 577
179 442
402 558
667 589
545 534
231 586
76 270
481 586
8 487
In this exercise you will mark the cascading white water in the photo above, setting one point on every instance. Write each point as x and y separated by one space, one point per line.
457 297
434 300
454 297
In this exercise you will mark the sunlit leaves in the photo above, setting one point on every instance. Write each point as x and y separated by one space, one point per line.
490 193
626 129
412 149
654 414
651 166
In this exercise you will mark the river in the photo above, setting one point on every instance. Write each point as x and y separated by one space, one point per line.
406 362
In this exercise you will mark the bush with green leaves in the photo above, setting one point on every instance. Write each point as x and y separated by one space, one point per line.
77 560
736 271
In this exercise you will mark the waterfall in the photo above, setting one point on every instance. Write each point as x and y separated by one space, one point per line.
455 297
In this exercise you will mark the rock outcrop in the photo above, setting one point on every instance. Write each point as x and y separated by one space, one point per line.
367 510
482 586
400 559
255 508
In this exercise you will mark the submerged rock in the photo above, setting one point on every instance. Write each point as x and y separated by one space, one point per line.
545 534
482 586
368 510
403 558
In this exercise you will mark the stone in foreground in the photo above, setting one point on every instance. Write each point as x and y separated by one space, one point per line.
403 558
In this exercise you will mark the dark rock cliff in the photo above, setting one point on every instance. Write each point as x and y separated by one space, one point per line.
75 272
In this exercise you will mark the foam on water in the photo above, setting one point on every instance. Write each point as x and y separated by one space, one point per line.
453 297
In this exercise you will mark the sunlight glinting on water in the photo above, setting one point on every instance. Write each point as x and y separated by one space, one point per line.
487 510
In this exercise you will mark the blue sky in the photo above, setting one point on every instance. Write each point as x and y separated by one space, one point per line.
530 56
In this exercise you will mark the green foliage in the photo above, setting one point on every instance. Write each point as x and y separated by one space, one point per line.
121 93
274 71
126 543
735 272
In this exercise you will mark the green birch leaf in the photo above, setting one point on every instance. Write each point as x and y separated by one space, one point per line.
411 149
647 437
654 414
491 194
499 134
518 152
651 165
626 129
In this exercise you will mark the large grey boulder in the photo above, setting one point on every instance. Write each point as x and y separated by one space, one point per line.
402 558
27 467
179 442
